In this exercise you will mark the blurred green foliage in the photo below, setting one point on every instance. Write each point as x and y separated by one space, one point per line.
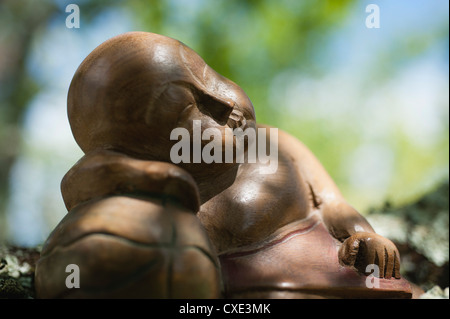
249 42
267 47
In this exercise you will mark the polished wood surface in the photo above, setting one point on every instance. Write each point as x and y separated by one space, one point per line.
140 226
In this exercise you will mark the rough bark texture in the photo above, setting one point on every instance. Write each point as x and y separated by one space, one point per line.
419 229
17 271
421 232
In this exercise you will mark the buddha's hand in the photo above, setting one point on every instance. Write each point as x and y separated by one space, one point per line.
363 249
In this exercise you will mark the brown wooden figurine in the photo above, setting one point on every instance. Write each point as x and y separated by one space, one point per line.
144 224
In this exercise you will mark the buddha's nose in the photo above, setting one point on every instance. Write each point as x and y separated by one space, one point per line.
218 107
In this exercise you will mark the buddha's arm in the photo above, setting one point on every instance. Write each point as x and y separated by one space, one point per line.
106 173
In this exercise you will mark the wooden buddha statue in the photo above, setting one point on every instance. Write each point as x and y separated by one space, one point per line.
142 225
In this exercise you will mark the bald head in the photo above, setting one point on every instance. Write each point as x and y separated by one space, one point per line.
113 86
133 89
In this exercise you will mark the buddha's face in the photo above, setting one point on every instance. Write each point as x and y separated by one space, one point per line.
132 91
197 93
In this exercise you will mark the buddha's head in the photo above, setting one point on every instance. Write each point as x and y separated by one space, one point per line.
134 89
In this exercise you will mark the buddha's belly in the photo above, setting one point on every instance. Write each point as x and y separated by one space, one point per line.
256 206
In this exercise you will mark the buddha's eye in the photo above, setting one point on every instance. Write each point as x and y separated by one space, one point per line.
176 98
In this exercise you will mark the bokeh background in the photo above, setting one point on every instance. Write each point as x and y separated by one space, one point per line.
372 104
